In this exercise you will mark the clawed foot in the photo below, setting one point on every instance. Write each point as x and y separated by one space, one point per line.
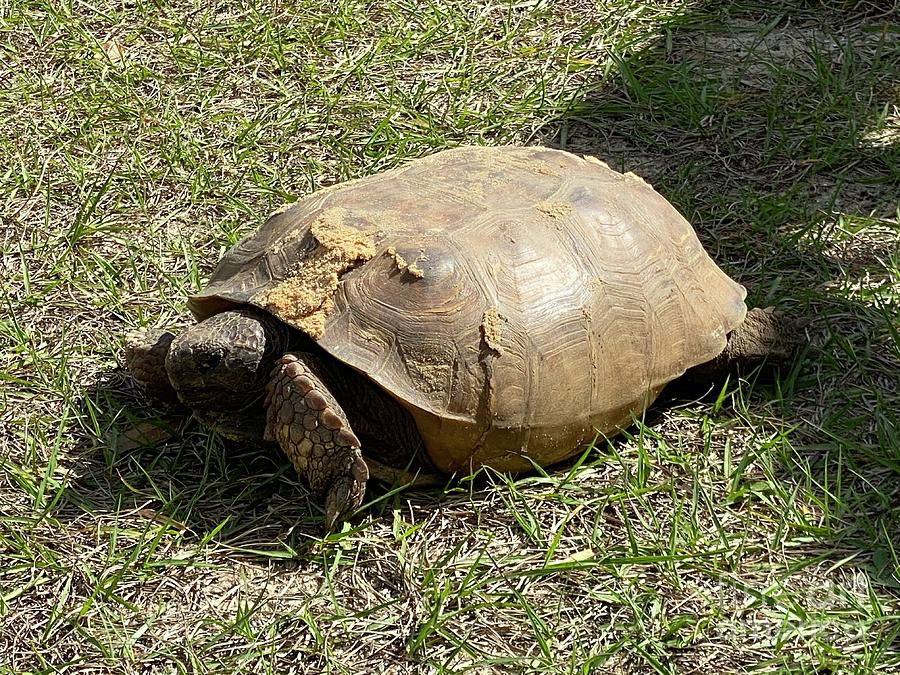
145 359
346 493
310 426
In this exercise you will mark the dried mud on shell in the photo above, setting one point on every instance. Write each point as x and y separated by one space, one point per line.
491 329
305 299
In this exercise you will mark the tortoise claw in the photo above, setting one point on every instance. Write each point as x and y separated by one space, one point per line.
346 494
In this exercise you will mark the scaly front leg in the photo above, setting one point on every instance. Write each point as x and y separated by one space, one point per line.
309 424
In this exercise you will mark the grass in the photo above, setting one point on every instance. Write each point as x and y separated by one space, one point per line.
756 531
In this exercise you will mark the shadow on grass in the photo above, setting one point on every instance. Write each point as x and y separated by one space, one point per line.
766 128
138 461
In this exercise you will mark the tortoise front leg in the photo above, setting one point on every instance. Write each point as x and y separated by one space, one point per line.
145 359
308 423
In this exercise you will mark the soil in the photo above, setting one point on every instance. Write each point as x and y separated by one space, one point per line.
305 299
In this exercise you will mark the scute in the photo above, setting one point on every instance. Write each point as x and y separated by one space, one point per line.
519 301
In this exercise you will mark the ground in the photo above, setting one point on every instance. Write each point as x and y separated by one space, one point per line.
754 531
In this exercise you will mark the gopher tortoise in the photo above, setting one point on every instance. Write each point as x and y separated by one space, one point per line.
496 307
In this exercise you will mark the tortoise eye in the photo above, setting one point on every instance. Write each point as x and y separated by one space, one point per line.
210 360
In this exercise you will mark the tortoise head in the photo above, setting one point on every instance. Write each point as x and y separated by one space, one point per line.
220 366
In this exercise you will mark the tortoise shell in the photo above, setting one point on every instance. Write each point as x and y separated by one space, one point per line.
519 301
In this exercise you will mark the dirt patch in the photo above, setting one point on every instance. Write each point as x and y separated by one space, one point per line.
851 194
404 266
756 56
430 369
861 255
399 260
491 329
555 209
431 377
305 299
595 284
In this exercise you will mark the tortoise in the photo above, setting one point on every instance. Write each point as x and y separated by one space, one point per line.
483 306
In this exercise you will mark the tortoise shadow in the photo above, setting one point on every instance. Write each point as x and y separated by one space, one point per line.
765 198
165 466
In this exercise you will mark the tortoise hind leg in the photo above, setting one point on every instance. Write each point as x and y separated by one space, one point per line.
766 335
309 424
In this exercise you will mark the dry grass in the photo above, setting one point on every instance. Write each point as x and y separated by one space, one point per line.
756 531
